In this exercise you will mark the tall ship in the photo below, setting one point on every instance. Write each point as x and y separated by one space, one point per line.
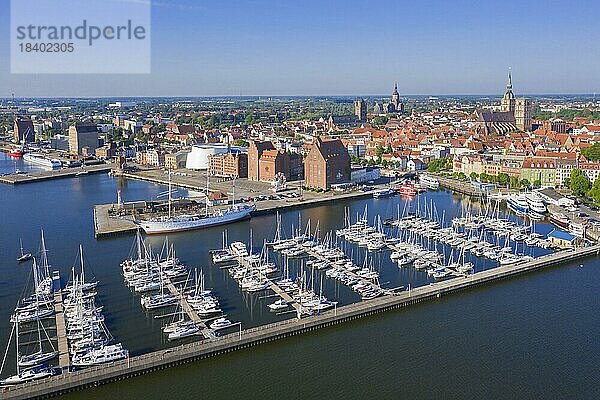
179 223
45 162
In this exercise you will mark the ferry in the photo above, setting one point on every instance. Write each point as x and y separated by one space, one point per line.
429 181
535 203
384 193
518 204
42 161
559 219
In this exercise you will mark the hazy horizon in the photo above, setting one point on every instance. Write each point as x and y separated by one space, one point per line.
270 48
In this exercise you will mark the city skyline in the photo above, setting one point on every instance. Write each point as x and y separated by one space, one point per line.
354 49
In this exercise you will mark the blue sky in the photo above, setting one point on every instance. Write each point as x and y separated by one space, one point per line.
281 47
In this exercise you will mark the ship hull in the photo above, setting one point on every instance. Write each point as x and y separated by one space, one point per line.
162 227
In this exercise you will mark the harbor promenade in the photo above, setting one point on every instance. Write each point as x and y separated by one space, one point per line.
179 355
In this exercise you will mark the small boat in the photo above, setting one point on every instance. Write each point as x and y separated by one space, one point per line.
82 173
221 323
24 256
183 331
384 193
280 304
39 372
36 358
16 153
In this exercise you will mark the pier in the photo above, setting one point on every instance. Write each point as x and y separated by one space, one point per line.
61 331
189 310
31 177
106 225
161 359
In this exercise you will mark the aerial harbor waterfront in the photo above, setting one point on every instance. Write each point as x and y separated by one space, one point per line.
262 205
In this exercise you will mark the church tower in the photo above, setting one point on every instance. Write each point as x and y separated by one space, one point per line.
398 107
508 101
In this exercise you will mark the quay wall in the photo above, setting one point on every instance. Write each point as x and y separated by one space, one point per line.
182 354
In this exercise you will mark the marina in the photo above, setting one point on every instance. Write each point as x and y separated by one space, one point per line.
372 257
198 350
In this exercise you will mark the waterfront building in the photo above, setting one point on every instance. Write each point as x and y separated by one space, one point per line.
591 170
199 157
265 161
327 163
539 169
176 160
155 157
83 139
23 131
231 164
562 239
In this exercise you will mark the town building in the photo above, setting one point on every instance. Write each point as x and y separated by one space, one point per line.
83 139
176 160
539 170
326 164
23 131
231 164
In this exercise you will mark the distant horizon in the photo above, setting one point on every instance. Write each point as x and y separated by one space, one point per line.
345 96
270 48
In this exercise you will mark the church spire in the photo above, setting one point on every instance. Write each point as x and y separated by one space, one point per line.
509 83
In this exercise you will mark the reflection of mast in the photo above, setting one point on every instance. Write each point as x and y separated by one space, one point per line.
119 200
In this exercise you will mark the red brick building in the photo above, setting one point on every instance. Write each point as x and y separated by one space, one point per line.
264 162
327 163
233 165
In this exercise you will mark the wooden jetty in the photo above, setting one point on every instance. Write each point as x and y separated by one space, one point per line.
185 353
189 310
61 331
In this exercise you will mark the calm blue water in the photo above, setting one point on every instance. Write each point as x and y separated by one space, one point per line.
532 337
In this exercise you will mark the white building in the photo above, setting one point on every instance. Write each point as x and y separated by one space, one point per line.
199 157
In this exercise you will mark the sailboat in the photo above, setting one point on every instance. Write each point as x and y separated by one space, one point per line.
24 256
179 223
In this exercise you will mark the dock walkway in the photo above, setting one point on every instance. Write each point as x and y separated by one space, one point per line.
179 355
61 331
189 310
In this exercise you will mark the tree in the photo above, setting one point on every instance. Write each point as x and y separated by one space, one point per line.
525 183
502 178
594 192
579 184
537 183
249 120
380 120
388 149
473 176
241 143
592 153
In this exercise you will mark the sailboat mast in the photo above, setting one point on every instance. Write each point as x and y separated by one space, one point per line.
169 193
